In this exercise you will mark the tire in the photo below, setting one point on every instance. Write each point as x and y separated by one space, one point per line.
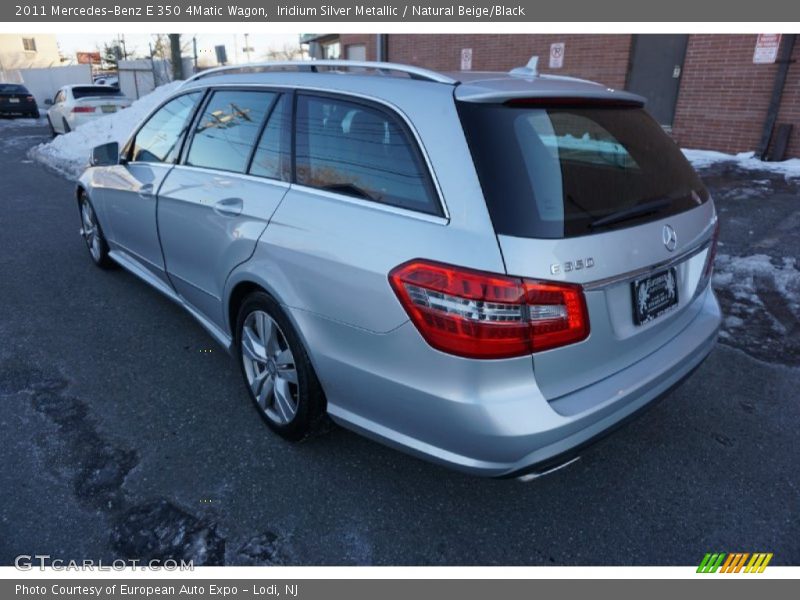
66 125
278 374
92 234
53 132
35 115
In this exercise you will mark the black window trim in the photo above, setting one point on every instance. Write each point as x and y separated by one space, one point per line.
127 150
438 205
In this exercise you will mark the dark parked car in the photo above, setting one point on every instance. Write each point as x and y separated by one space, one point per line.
16 100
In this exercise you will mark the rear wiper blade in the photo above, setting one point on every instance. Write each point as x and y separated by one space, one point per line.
351 190
632 212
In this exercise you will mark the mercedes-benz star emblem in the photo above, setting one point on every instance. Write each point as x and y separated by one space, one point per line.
669 237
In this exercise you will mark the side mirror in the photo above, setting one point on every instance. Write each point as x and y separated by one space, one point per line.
105 155
48 102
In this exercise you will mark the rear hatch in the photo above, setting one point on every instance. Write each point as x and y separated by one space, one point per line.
98 99
592 191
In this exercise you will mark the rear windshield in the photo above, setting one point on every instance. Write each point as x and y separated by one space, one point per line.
94 90
565 171
12 88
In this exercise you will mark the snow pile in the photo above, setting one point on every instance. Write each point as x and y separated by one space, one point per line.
701 159
9 123
760 297
69 154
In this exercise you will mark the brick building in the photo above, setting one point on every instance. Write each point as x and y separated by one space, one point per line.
706 88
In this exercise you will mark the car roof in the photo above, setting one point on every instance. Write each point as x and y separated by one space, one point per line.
381 79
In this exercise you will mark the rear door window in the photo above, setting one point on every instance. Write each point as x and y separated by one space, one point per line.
564 171
226 132
362 151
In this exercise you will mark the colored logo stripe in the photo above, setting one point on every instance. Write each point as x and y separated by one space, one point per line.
734 562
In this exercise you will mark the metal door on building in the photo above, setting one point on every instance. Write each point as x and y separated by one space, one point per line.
655 72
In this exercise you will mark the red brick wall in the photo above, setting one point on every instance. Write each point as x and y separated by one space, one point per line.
602 58
368 39
723 97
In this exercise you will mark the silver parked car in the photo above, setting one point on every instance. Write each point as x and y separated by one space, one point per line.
487 270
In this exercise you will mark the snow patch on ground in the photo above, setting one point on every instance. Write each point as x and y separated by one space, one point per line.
760 297
9 123
701 159
69 154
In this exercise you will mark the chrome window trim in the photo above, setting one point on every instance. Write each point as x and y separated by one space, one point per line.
344 93
389 208
222 173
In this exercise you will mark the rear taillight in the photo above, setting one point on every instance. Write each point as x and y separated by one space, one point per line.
29 98
83 109
482 315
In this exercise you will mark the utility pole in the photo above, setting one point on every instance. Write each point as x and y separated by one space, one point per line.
247 47
175 55
194 49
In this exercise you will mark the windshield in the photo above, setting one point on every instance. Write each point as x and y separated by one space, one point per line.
565 171
94 90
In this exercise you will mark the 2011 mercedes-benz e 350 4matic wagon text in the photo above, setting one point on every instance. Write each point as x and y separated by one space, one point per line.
488 270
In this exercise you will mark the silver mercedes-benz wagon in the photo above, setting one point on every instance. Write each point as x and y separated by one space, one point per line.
487 270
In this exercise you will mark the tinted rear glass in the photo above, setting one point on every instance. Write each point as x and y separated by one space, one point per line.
360 150
555 172
12 88
94 90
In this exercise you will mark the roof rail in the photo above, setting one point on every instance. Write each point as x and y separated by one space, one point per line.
312 66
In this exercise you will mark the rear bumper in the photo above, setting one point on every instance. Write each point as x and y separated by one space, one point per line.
487 418
18 109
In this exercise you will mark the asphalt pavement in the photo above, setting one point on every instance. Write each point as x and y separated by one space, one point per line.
126 432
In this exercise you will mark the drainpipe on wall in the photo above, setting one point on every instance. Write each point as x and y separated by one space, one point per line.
784 60
381 48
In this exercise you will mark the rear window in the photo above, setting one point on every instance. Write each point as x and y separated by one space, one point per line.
565 171
94 90
12 88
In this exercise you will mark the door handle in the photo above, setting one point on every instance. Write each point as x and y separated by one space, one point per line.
146 191
229 207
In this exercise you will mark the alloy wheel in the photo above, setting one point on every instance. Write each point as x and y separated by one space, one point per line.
90 230
269 367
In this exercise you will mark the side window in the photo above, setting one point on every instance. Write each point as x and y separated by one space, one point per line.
272 157
354 149
226 131
158 139
59 97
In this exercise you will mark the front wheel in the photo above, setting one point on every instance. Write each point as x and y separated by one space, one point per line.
279 375
93 235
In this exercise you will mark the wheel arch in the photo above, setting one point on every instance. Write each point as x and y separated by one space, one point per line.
243 284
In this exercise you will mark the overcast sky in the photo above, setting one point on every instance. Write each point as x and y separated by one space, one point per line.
138 44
